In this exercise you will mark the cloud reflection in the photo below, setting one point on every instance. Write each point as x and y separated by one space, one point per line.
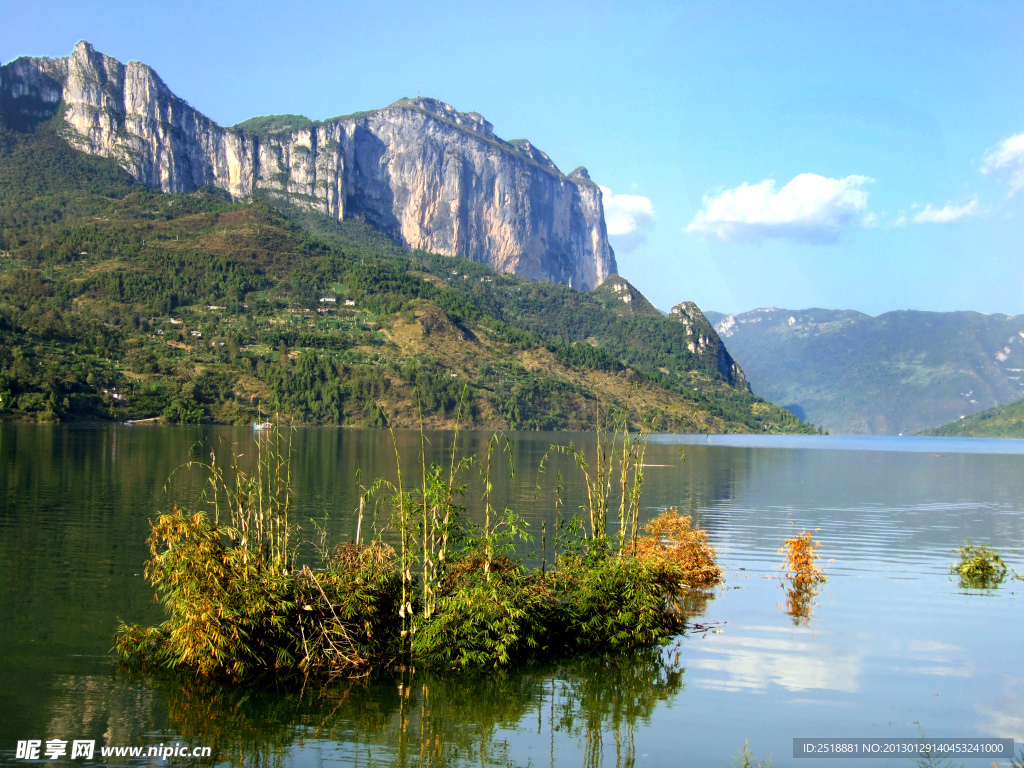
1006 718
936 659
781 656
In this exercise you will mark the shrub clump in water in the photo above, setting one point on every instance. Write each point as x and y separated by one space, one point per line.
804 574
449 593
980 567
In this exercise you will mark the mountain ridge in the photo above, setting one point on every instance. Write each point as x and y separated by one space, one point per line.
434 178
1001 421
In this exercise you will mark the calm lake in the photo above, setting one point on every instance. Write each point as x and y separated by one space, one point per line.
891 647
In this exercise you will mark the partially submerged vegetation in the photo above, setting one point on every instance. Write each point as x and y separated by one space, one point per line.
746 758
804 574
428 585
980 567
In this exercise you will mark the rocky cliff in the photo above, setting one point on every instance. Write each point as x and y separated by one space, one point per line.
436 179
705 342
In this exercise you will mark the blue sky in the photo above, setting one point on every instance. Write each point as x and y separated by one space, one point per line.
853 155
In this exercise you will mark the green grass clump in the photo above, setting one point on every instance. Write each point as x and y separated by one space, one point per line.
486 618
980 567
621 603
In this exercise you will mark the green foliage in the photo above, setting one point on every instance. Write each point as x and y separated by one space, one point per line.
490 618
237 605
228 610
449 596
118 302
272 124
1001 421
618 603
980 567
183 411
347 611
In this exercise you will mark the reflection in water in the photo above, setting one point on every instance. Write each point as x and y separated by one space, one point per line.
407 718
771 655
101 708
937 659
1006 714
800 601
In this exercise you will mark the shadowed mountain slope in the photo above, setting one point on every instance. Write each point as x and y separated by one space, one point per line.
897 372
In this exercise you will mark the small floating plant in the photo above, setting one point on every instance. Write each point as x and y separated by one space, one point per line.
980 567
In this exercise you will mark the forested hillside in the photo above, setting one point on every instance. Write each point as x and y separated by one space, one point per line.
1003 421
118 302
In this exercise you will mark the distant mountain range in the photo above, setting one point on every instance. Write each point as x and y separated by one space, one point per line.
900 372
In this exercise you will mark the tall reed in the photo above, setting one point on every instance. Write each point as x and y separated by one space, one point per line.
614 441
257 501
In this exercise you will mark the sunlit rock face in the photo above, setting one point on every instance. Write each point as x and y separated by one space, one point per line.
705 342
436 179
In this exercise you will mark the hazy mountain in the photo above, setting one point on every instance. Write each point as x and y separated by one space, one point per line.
897 372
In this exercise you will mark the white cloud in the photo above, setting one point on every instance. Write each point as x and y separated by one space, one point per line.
871 221
947 214
1006 160
810 208
630 218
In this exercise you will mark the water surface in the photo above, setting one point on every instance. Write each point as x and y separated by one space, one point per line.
892 645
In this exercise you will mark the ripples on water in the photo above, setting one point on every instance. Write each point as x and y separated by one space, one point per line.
892 642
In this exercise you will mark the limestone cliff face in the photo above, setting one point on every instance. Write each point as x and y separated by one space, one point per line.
705 342
437 179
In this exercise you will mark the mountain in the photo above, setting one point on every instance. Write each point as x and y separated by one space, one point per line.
900 372
704 341
619 294
433 178
118 301
1002 421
